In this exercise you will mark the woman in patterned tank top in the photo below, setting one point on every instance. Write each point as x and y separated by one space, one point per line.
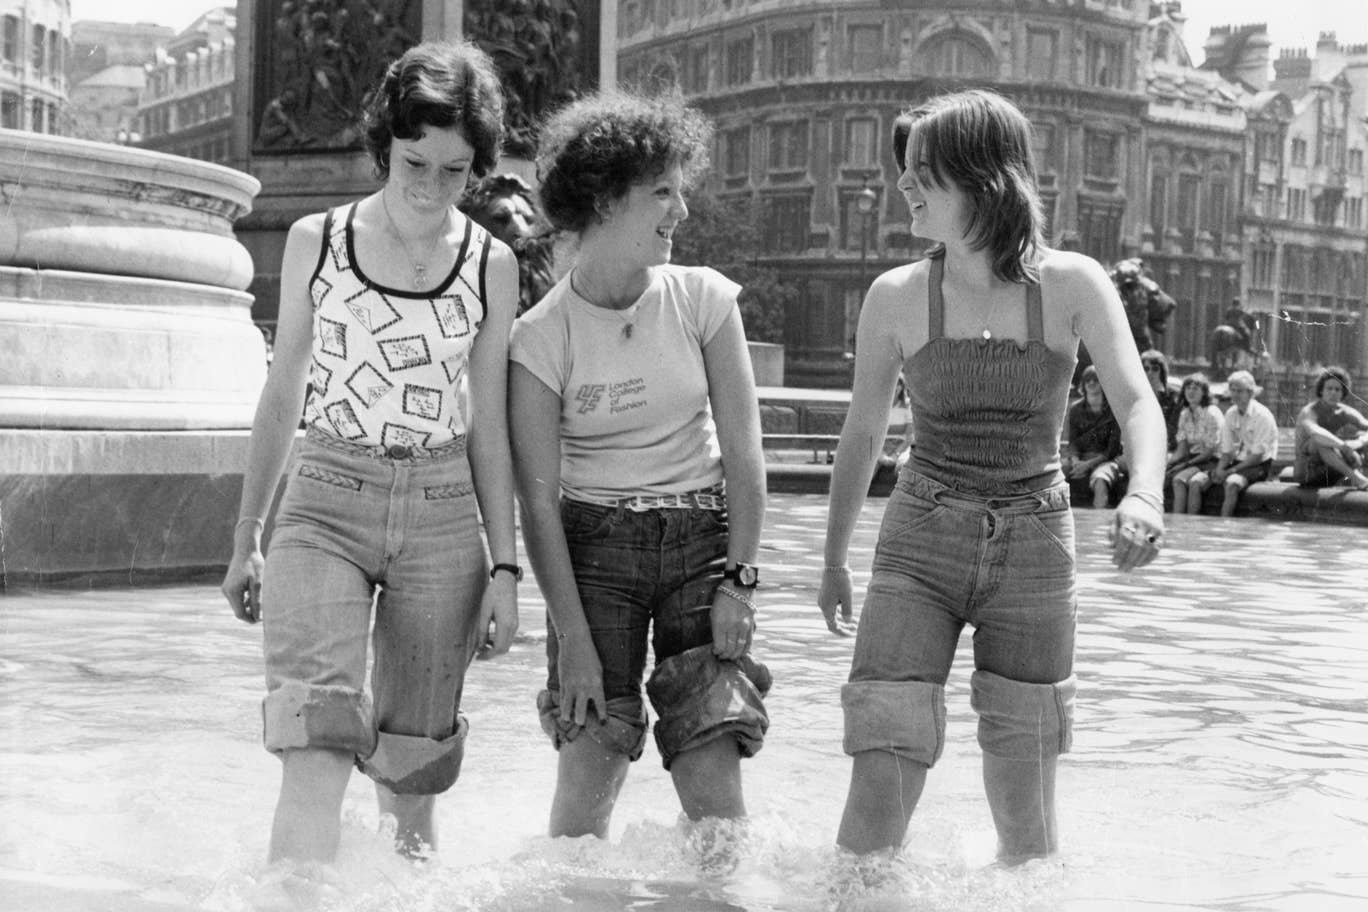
392 341
978 531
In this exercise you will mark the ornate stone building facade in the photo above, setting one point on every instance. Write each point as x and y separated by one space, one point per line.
804 94
35 45
187 104
1305 233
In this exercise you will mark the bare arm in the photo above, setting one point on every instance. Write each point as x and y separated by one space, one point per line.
277 416
491 462
878 360
536 409
1101 320
736 410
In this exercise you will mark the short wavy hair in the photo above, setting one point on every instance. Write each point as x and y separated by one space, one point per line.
596 149
1155 356
981 142
1200 381
437 84
1333 373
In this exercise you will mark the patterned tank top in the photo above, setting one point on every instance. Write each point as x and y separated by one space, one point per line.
388 363
987 413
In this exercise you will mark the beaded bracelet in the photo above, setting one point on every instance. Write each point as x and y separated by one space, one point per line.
737 597
1149 497
837 568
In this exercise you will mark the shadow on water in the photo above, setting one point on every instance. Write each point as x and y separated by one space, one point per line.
1220 756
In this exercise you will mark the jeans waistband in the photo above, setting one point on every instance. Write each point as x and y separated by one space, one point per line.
392 453
1055 497
710 498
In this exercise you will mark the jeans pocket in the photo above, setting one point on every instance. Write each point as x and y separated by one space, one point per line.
907 513
327 476
1056 527
448 491
586 522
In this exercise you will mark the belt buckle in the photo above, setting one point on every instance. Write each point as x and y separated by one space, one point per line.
399 451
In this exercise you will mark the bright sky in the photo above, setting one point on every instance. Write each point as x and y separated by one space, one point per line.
1291 23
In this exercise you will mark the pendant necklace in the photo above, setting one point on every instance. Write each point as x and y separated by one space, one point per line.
419 266
630 310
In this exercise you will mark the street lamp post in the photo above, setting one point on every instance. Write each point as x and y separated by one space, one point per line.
865 202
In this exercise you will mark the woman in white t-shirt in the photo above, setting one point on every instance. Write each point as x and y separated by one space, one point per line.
636 434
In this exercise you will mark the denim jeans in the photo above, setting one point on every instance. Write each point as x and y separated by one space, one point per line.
944 559
359 528
651 575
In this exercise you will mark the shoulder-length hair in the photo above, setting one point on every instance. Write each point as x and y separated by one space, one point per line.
437 84
1200 381
981 143
596 149
1333 373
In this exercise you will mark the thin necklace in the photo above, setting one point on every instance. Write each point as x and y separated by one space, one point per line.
630 310
419 266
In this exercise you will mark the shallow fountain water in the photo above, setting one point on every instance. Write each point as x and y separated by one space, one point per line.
1220 759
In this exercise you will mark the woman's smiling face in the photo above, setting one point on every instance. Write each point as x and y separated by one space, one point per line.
938 213
644 219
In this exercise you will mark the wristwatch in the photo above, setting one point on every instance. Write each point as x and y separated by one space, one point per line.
511 568
743 575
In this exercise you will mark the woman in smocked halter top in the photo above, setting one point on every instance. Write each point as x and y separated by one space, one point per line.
978 530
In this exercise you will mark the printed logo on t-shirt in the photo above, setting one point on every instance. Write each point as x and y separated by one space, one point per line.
372 310
368 385
332 338
452 318
588 397
398 435
401 354
344 422
625 395
422 401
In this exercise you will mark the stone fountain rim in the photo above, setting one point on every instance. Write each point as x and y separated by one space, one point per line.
167 169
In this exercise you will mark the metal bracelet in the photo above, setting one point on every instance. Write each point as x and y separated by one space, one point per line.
737 597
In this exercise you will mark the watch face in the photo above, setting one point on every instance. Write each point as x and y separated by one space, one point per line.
747 575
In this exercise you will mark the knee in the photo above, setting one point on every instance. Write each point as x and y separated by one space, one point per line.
414 764
298 715
906 718
1019 721
700 698
623 732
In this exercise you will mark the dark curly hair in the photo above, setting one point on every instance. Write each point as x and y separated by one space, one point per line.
437 84
1200 381
981 143
596 149
1333 373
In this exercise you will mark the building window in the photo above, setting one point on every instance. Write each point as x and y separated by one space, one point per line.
788 145
791 53
1353 212
1216 209
54 54
865 45
736 152
1299 151
1158 214
1100 154
958 55
740 61
39 48
11 46
1189 188
1355 161
1042 49
861 142
9 111
786 222
1099 227
696 71
1105 63
1043 138
1263 265
1296 204
36 111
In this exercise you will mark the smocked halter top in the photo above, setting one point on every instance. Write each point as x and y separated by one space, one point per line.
987 413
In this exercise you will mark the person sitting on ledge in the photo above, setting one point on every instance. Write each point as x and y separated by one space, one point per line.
1331 437
1249 444
1094 441
1199 439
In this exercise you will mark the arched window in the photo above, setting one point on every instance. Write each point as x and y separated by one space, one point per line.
958 54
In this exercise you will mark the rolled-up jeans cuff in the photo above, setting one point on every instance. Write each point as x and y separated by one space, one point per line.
297 715
1021 721
906 718
701 698
416 765
624 731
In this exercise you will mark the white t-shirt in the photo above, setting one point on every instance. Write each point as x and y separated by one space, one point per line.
635 417
1254 432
